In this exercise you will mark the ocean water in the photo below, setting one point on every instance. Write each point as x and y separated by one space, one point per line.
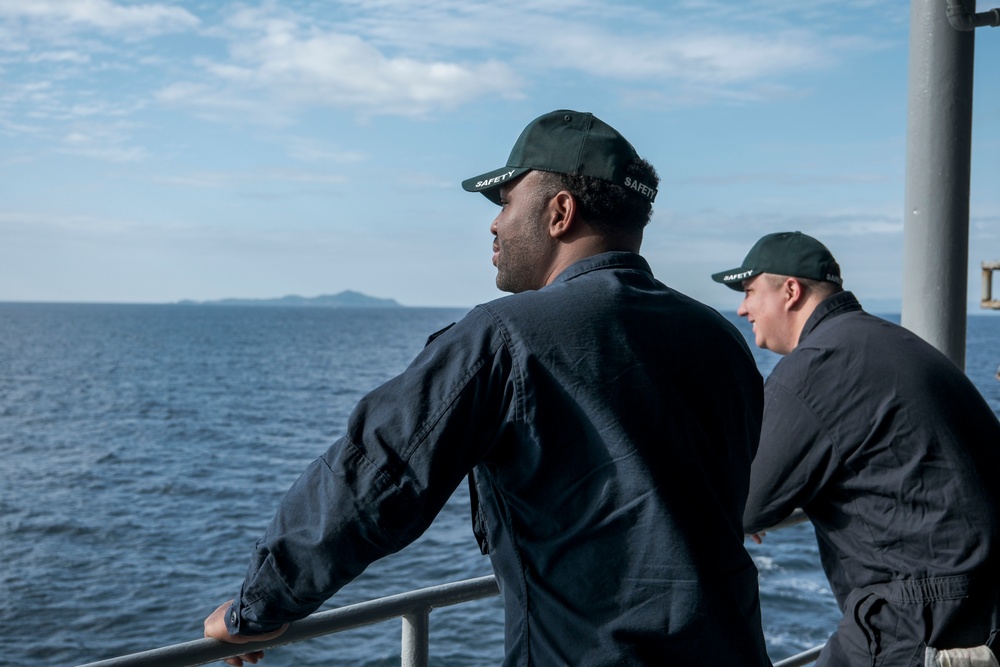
143 450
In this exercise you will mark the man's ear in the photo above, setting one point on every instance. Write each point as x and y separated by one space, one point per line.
562 211
794 292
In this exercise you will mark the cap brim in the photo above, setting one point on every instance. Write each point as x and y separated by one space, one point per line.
733 278
490 182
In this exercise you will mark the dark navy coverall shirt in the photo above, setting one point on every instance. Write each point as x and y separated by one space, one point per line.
893 454
610 423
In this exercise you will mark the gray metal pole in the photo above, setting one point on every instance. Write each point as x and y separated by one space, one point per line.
416 638
938 153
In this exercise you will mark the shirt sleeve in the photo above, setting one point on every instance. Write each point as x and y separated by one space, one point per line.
795 459
409 444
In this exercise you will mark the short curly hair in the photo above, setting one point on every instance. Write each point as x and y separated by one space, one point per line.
607 205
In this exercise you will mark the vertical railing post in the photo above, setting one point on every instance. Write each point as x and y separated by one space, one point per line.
987 295
416 638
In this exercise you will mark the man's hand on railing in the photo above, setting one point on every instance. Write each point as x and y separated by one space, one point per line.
797 516
215 628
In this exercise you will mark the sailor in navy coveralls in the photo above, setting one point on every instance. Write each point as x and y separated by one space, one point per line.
888 448
608 423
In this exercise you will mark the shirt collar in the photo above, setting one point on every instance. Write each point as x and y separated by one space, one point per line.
836 304
606 260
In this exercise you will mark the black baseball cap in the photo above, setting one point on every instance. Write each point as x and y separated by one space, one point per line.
785 254
565 142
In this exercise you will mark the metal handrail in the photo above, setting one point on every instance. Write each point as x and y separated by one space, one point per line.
804 658
413 607
796 517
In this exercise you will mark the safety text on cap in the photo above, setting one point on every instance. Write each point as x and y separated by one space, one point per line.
496 179
736 276
642 188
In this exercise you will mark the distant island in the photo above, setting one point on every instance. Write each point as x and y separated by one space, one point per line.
346 299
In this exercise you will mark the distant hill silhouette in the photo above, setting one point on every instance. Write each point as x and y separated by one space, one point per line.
346 299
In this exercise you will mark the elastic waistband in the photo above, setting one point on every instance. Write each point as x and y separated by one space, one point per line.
931 589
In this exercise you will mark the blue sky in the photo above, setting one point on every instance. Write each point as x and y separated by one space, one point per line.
158 151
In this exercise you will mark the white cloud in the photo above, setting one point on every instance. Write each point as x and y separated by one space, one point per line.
102 143
103 15
686 43
234 180
783 179
696 57
46 101
413 58
292 62
19 224
59 57
344 71
308 150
